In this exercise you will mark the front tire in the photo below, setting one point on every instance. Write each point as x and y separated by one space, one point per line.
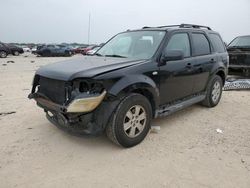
214 92
130 123
3 54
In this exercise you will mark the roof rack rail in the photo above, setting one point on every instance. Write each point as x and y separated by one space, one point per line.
181 26
194 26
147 27
168 26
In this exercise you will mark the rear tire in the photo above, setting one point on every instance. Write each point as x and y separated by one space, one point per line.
68 53
16 53
214 92
3 54
130 122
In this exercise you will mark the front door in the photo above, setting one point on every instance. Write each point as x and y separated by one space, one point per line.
177 76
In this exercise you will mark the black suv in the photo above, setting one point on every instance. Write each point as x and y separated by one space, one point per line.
239 53
136 76
4 50
15 50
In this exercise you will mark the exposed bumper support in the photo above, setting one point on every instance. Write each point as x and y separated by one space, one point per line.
239 66
80 105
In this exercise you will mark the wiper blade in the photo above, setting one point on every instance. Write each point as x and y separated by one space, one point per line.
239 47
233 47
114 55
97 54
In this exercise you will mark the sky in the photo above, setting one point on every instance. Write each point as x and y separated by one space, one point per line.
56 21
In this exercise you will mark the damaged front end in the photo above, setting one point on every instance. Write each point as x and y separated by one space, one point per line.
76 107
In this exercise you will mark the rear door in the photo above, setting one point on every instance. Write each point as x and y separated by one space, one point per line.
203 60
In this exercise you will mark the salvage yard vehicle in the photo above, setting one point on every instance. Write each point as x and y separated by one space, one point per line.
136 76
4 50
9 49
53 50
239 55
15 50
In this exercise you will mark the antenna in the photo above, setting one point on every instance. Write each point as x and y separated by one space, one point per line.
89 30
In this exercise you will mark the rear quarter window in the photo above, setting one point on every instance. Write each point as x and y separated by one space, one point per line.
200 44
217 43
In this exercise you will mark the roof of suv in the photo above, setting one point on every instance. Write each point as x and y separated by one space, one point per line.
176 27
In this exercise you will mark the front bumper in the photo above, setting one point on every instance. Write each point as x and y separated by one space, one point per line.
79 117
82 125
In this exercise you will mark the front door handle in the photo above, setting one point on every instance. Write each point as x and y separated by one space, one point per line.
212 60
189 65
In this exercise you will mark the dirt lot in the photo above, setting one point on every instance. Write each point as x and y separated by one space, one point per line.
187 152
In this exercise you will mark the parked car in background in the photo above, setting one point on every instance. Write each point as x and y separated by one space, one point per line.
4 50
34 49
239 55
79 49
93 51
138 75
26 49
68 47
85 50
15 50
53 50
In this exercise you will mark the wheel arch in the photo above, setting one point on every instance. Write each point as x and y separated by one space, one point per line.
222 74
221 70
137 84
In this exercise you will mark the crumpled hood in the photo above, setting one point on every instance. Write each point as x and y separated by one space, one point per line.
87 67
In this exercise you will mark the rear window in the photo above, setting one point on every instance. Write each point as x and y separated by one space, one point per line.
217 43
200 44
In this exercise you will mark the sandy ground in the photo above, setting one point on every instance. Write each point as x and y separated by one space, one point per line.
187 152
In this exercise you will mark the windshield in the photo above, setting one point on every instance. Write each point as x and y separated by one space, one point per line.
136 45
240 42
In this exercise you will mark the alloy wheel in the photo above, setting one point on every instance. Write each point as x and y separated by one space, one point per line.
134 121
216 92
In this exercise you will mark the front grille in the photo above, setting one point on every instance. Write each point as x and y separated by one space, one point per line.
53 89
238 59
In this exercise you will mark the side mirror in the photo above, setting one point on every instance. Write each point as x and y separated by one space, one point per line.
172 55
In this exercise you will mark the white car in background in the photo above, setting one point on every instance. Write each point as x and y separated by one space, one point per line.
34 49
26 49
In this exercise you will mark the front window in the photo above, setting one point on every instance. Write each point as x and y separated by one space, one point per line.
136 45
240 42
181 42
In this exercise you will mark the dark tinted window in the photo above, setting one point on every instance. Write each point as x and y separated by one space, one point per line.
201 44
50 46
180 41
217 43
